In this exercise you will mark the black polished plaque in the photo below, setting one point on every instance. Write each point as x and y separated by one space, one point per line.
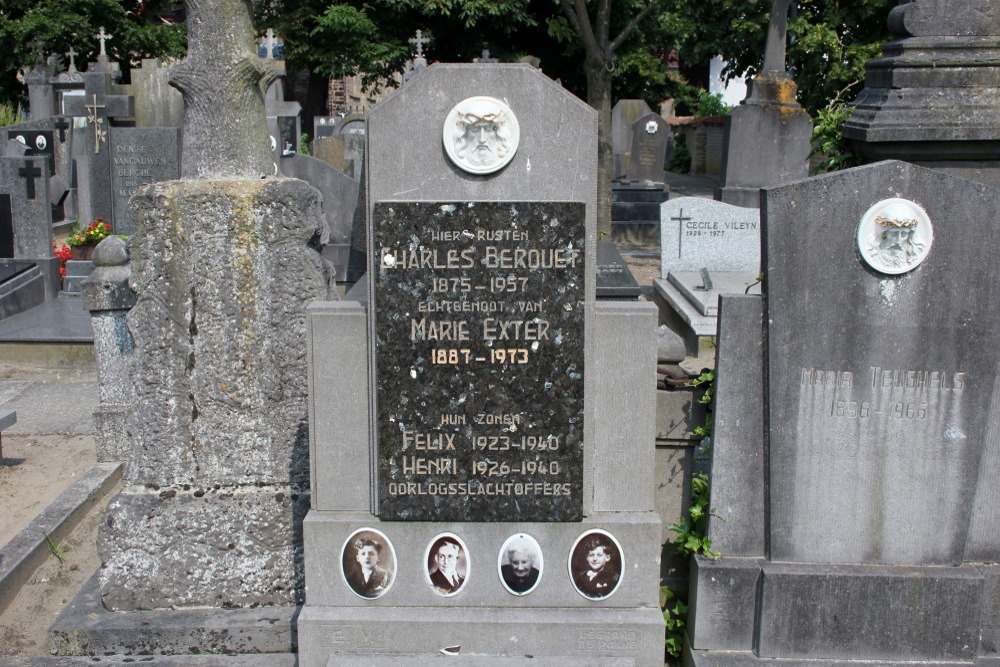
478 312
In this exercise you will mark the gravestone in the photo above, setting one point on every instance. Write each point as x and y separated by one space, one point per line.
623 115
467 431
340 198
767 138
933 96
854 457
139 156
25 181
652 143
707 249
223 265
157 103
94 162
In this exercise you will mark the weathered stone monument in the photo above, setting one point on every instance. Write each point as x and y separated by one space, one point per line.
767 135
224 263
472 494
854 458
933 98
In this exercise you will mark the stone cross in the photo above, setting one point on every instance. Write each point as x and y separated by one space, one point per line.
72 60
486 58
29 172
269 44
225 126
774 51
102 36
419 42
62 125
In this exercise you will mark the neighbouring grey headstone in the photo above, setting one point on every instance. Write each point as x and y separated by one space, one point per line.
870 497
707 249
623 115
157 103
652 142
93 153
139 156
25 181
697 233
340 199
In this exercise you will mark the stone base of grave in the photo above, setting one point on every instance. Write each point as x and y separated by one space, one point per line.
748 611
767 141
85 627
552 620
331 635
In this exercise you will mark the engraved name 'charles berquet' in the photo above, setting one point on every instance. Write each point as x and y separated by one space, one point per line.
490 257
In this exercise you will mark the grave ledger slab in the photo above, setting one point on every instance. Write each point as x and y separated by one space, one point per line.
483 411
880 428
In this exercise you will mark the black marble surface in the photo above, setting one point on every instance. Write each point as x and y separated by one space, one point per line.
614 279
479 329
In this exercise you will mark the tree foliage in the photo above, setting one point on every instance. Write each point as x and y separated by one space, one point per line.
54 26
829 41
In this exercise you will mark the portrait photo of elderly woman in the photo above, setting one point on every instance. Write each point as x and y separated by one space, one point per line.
368 563
520 564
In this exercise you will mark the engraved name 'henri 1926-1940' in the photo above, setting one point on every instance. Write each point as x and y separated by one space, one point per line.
481 360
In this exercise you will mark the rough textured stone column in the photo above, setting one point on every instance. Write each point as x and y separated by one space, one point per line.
224 263
108 297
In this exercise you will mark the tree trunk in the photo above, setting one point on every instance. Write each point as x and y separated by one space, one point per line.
599 97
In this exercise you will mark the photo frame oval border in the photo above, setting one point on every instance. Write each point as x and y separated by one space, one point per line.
898 213
392 550
539 565
621 563
450 135
427 563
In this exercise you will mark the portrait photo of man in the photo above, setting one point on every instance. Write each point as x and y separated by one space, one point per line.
447 564
520 564
368 563
596 565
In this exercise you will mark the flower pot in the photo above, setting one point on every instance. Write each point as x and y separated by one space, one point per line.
82 251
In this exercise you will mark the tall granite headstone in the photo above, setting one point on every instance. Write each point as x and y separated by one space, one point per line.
855 455
25 180
933 97
623 115
139 156
470 426
652 143
767 135
223 266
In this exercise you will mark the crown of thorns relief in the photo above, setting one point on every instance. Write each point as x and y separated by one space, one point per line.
885 221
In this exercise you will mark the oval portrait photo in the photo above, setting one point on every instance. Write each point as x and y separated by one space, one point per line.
595 564
520 564
368 563
447 564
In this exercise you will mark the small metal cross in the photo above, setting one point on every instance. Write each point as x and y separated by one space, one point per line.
680 219
419 42
100 134
103 36
29 172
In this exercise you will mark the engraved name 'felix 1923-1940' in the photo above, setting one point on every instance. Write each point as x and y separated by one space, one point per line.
479 360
